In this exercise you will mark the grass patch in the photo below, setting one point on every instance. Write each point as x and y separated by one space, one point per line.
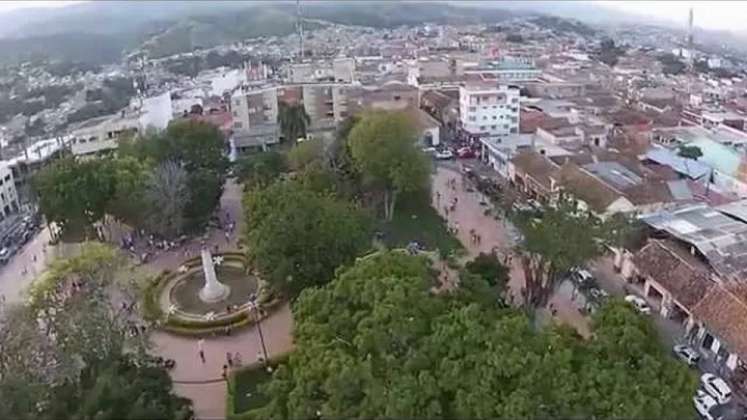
415 220
247 395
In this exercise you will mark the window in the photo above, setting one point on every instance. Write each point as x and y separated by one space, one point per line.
494 117
484 117
482 128
505 126
237 124
495 106
514 100
472 118
235 114
492 127
472 109
397 97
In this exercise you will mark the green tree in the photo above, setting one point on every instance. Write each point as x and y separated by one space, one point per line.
128 202
293 120
74 194
489 268
306 153
690 152
297 238
563 238
376 343
199 148
67 352
259 170
383 147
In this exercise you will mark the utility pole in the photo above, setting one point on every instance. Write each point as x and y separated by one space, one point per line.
299 28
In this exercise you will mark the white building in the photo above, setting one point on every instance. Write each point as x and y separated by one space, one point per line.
102 133
488 110
8 196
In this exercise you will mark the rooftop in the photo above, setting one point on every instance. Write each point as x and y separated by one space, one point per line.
724 310
721 239
686 278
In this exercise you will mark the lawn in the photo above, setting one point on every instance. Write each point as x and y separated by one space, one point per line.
415 220
247 395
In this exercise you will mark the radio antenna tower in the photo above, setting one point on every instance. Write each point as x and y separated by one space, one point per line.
299 28
690 51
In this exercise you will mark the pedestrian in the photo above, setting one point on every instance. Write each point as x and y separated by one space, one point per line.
237 359
200 349
229 359
225 373
228 236
34 258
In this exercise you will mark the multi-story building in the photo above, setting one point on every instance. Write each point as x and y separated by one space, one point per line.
486 110
9 202
255 115
102 133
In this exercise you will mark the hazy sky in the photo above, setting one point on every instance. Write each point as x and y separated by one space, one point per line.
708 14
730 15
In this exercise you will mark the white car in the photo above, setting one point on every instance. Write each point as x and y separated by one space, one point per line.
444 155
717 387
687 354
638 303
704 403
581 276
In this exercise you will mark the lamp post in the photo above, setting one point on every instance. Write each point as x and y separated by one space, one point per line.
254 308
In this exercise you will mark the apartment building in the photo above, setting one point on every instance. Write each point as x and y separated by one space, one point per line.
9 202
255 114
102 133
487 110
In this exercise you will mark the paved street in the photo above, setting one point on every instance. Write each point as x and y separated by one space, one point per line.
468 215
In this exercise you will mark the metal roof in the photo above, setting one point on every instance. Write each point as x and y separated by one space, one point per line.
614 174
721 239
692 168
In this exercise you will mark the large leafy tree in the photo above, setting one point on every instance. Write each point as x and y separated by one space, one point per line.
67 353
297 237
564 237
306 153
260 169
376 343
75 194
293 120
128 201
383 147
199 148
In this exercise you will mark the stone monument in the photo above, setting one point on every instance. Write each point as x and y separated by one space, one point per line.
213 290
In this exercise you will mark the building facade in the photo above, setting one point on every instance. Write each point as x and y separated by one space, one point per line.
489 111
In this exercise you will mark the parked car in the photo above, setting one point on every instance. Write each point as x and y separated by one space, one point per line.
704 404
444 155
4 255
581 276
687 354
716 387
598 294
639 304
429 150
466 153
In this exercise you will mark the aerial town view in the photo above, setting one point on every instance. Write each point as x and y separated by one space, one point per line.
251 210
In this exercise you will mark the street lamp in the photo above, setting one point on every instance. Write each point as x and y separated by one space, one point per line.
254 309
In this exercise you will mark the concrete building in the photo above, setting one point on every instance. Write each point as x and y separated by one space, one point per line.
102 133
506 70
343 69
255 114
9 202
487 110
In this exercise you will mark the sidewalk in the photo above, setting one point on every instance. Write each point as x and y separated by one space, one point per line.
470 214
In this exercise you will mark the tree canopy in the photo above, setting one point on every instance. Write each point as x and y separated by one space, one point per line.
75 194
564 237
376 343
259 170
297 237
384 148
293 120
67 353
690 152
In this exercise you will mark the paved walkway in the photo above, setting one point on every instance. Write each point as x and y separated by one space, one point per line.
470 214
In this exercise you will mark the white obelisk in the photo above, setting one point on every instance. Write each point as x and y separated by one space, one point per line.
213 291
